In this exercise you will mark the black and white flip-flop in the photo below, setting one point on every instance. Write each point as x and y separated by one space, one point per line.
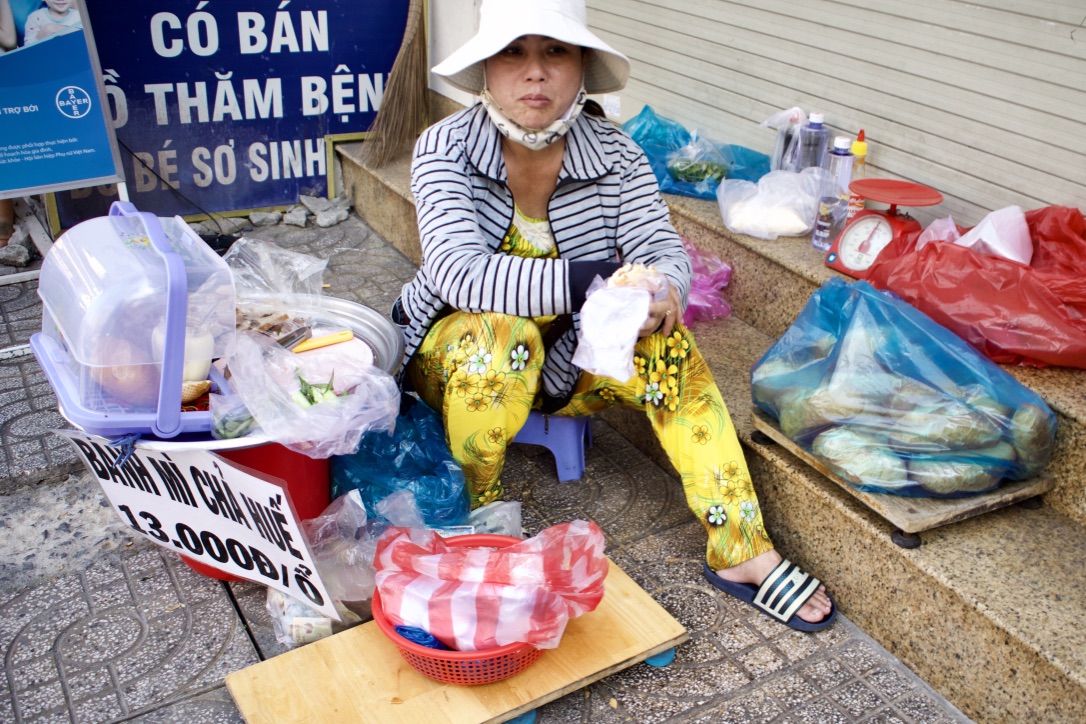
782 593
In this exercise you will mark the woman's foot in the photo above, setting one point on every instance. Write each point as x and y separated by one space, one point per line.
757 569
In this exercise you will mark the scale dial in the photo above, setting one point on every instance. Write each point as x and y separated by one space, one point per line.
863 240
872 232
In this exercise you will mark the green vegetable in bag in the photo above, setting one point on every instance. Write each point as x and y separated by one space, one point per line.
696 171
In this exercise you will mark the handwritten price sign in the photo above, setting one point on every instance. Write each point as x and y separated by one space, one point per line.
195 503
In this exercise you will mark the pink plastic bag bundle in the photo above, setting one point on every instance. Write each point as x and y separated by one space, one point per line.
706 299
473 599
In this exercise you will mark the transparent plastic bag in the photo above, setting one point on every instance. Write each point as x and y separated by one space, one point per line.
230 418
611 318
264 271
414 457
787 124
502 517
892 402
691 164
342 540
525 593
782 203
697 168
308 403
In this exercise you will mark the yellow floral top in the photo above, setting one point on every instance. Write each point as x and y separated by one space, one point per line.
530 238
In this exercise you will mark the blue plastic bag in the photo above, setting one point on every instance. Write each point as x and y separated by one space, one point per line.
687 164
415 457
893 402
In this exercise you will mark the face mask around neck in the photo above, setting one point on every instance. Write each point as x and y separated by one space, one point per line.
533 138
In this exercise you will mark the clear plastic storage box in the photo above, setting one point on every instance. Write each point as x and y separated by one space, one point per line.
134 306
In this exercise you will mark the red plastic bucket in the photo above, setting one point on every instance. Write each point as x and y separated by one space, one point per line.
308 482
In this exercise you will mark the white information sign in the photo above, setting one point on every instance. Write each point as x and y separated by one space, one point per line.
199 505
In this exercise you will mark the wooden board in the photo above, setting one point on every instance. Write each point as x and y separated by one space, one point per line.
912 515
359 676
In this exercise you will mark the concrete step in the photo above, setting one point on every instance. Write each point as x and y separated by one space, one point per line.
986 610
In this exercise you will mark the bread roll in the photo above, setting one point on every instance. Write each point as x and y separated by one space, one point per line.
1033 433
946 426
134 386
946 477
861 459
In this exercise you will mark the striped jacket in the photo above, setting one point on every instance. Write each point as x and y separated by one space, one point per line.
605 210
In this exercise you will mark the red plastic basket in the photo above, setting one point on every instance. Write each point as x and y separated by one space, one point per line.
462 667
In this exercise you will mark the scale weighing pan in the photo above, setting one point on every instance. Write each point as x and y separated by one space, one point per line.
896 192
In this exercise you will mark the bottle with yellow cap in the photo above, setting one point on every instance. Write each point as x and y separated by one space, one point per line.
859 171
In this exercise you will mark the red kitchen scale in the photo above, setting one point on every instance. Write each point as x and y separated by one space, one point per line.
871 231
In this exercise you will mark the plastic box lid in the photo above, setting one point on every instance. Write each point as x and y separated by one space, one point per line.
107 287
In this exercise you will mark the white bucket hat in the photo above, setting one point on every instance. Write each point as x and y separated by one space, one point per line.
503 21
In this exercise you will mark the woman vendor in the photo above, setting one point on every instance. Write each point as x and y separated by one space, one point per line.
523 199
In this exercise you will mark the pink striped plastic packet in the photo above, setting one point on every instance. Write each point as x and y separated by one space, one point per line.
472 599
706 299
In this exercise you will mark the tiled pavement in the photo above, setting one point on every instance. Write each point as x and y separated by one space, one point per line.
98 626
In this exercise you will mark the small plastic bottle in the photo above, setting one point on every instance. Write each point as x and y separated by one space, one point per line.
833 198
859 171
813 139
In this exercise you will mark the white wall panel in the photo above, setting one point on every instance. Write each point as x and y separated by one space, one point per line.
985 101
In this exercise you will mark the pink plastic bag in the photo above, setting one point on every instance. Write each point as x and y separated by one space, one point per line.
706 299
481 598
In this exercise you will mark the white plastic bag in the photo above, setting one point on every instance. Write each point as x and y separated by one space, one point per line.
782 203
939 230
611 319
298 406
1003 233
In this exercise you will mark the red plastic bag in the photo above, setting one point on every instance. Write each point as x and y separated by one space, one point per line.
1014 314
473 599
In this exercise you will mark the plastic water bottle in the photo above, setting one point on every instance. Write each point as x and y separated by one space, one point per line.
859 171
813 139
833 197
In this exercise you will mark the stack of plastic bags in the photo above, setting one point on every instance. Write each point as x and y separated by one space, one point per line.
473 599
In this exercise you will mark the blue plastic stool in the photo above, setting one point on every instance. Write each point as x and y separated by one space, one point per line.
565 437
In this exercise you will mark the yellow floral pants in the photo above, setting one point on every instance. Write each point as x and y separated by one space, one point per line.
482 371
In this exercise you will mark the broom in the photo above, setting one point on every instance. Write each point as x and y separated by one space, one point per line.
405 110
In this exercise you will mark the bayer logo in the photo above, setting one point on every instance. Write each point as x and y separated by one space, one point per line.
73 101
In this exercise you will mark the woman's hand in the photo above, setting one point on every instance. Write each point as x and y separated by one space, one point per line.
663 315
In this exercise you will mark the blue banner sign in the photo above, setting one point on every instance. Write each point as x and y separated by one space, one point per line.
221 106
54 132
